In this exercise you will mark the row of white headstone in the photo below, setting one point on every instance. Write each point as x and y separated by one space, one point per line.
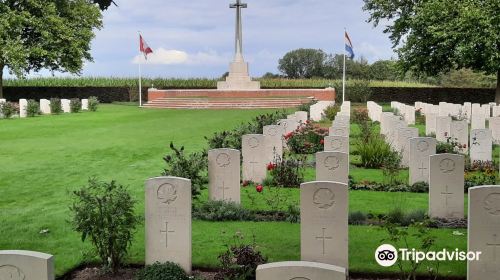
45 106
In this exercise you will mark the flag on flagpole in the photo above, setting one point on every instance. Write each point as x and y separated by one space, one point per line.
144 48
348 46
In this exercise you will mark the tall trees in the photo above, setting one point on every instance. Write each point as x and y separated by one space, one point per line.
302 63
46 34
434 36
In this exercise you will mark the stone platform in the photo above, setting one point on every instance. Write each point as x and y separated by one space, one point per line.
229 99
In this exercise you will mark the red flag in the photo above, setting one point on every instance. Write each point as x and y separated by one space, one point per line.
144 48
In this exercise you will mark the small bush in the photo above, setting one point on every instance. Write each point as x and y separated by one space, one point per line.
373 151
357 218
307 139
331 111
414 216
240 262
93 103
162 271
396 216
8 109
104 212
419 187
360 116
359 91
306 107
55 106
33 108
390 168
286 172
75 105
221 211
293 214
191 166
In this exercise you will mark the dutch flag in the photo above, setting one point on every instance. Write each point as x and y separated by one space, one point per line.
348 46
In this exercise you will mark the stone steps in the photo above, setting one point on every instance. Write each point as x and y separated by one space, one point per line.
225 103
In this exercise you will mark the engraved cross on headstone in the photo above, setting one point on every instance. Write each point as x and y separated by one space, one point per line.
447 194
166 231
239 30
224 188
422 168
323 238
495 245
253 163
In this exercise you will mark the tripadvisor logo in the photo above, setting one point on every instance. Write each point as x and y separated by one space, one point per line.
387 255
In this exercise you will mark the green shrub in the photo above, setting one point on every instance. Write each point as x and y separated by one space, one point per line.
419 187
240 262
221 211
33 108
192 166
396 216
358 91
93 103
55 106
7 109
307 139
162 271
104 213
286 172
331 111
75 105
414 216
374 151
357 218
390 168
293 214
306 107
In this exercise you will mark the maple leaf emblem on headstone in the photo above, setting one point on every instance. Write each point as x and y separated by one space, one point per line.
324 198
492 203
167 193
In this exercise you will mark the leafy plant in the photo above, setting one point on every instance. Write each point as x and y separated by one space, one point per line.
419 187
306 107
308 138
75 105
55 106
373 150
7 109
93 103
162 271
191 166
286 171
240 261
104 213
331 112
293 214
390 168
33 108
221 211
357 218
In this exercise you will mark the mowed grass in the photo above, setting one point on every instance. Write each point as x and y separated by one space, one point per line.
43 159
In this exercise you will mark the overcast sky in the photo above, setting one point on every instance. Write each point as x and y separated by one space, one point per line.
196 38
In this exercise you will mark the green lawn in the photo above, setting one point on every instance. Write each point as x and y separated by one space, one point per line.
43 159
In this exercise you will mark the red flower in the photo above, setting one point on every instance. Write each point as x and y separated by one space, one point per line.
289 135
322 141
259 188
271 166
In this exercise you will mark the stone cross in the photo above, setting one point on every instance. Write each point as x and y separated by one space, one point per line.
239 30
495 245
166 231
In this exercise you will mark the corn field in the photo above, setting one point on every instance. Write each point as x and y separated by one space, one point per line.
163 83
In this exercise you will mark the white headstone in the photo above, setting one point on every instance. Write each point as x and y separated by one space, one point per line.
317 110
300 271
85 104
254 158
484 232
420 150
168 221
446 186
339 131
443 128
332 166
430 124
289 125
23 104
403 136
477 119
26 265
460 132
224 175
494 126
480 145
336 144
45 106
273 135
323 227
301 116
65 105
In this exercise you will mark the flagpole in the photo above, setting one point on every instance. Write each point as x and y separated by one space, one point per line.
140 74
343 75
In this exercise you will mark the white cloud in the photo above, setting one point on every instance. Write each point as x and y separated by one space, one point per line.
163 56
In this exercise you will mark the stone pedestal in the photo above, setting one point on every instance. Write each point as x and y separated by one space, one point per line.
238 78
